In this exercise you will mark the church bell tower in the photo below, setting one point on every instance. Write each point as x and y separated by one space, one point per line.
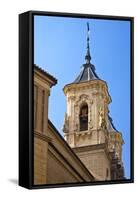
88 128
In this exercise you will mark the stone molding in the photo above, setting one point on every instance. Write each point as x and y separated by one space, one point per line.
41 136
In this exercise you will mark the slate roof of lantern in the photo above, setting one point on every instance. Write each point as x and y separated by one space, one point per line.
87 73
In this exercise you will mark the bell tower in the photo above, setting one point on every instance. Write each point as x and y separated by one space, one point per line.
88 128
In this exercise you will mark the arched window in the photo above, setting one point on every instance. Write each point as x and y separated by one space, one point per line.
83 117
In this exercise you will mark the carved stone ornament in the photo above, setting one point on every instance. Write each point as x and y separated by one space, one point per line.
71 98
66 124
90 124
102 121
76 127
83 97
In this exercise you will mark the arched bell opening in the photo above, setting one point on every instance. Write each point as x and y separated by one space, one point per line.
83 117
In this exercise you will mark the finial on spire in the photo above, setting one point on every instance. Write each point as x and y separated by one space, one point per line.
88 57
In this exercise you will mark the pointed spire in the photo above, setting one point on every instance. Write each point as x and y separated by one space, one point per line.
87 70
88 57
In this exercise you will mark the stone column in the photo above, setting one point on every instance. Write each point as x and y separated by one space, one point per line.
39 110
90 110
45 112
35 105
95 112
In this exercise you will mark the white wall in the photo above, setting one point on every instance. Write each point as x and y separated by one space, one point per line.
9 11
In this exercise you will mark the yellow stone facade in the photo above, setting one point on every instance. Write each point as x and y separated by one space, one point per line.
54 160
97 138
42 86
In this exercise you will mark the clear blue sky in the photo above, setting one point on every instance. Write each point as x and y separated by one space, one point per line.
60 47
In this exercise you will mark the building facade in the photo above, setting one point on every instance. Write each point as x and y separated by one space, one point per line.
88 128
54 160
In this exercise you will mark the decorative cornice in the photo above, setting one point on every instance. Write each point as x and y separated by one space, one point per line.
89 147
41 136
46 74
100 85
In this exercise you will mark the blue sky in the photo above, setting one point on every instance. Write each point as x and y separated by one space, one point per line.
60 48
